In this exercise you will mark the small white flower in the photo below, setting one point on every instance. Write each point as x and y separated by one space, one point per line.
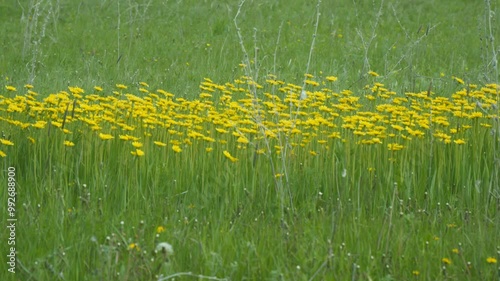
165 248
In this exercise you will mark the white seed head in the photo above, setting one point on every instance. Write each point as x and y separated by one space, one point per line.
164 248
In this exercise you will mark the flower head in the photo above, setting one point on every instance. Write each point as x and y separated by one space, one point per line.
105 136
229 156
6 142
176 148
331 78
159 143
69 143
395 146
137 144
137 152
135 246
446 261
491 260
164 248
11 88
459 81
160 229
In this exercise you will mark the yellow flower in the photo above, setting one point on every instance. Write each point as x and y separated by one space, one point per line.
159 143
205 95
455 251
69 143
260 151
394 146
373 73
415 272
397 127
144 84
446 261
491 260
176 148
137 153
128 137
459 141
56 124
97 88
312 83
28 86
76 90
11 88
242 140
106 136
121 86
229 156
331 78
32 140
160 229
6 142
208 149
459 81
31 93
134 246
2 154
137 144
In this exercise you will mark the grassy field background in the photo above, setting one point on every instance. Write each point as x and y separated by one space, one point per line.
332 210
176 43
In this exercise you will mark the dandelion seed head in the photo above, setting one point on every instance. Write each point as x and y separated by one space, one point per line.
164 248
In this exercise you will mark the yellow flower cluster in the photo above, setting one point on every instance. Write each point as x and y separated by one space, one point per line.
242 113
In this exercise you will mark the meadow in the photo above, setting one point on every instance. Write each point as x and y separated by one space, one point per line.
254 140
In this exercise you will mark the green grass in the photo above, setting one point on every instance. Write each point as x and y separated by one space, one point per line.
156 41
352 212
